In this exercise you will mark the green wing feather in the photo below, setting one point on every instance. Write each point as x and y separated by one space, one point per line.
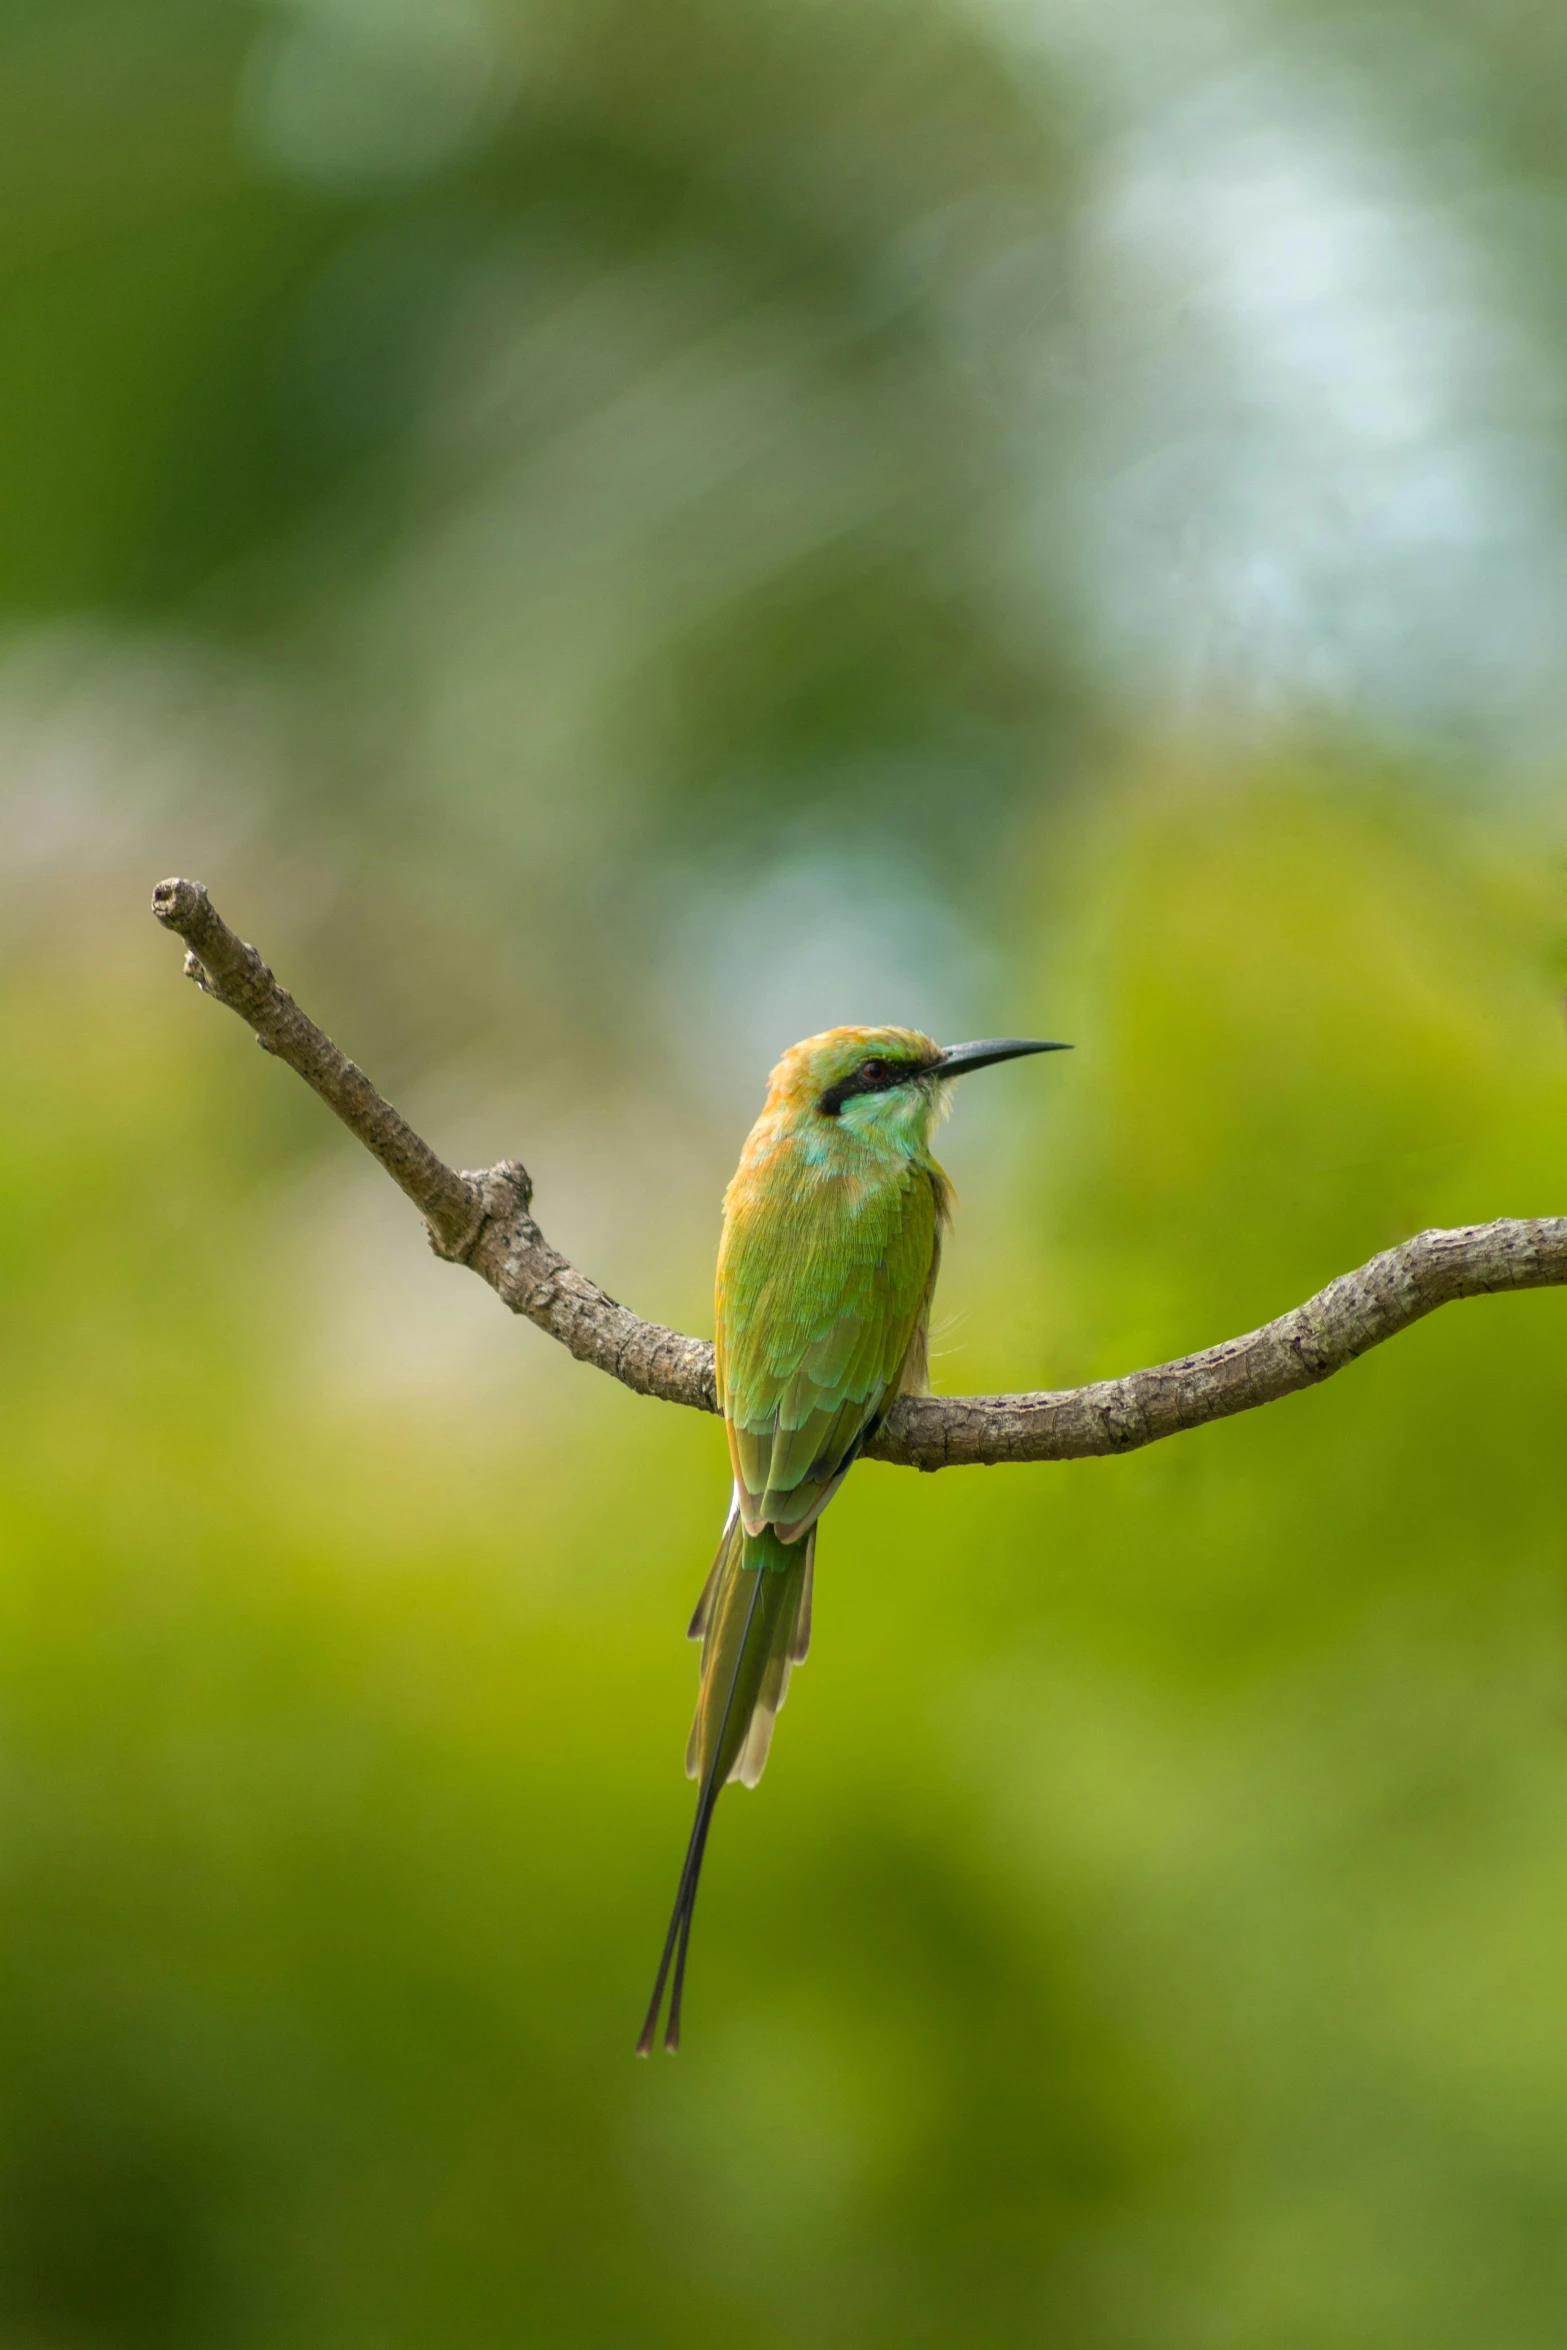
820 1300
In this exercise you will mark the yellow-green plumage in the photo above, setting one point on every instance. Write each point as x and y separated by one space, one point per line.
830 1249
824 1284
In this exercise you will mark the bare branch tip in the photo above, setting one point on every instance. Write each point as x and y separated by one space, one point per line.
179 904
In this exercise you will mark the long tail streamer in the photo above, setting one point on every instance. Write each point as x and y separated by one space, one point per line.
753 1620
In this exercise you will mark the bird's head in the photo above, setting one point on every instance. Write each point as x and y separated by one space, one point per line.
882 1085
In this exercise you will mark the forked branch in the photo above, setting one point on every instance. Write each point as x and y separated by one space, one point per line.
482 1219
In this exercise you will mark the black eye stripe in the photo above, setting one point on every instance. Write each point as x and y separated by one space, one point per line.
860 1080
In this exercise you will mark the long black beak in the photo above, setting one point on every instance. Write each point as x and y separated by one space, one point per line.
958 1059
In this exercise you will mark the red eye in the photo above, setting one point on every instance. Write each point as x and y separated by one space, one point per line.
874 1070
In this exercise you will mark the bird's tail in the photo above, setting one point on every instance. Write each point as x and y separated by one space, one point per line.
754 1622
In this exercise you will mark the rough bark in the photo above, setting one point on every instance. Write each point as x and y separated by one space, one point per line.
482 1219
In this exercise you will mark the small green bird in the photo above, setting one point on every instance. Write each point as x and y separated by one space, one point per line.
830 1249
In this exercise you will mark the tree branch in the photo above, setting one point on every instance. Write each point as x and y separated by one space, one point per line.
482 1220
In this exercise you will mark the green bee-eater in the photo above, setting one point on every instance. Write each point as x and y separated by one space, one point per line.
830 1248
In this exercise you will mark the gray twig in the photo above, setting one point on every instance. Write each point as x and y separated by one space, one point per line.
482 1220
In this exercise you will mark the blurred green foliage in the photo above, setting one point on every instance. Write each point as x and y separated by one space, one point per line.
612 537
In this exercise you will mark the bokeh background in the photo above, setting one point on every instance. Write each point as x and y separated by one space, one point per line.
611 534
